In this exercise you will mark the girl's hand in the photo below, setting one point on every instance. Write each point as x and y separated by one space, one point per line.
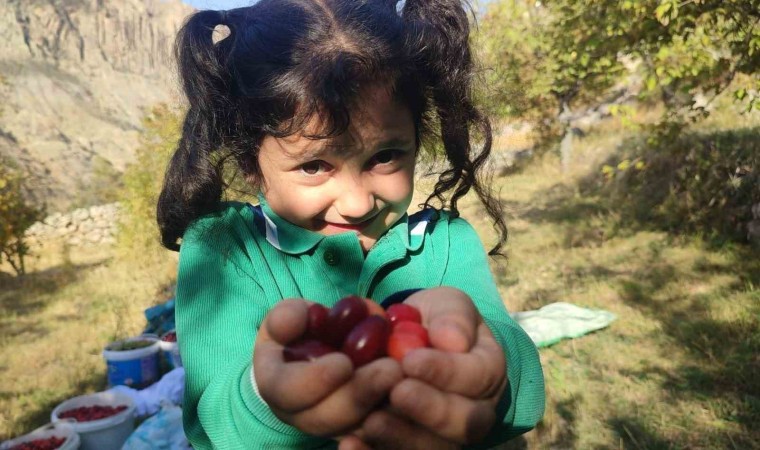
451 391
325 397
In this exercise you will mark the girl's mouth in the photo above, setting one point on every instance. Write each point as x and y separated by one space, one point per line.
350 226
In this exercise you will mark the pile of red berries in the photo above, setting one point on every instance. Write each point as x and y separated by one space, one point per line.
89 413
50 443
361 334
170 337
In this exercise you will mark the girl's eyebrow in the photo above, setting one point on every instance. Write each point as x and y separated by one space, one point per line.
396 142
319 152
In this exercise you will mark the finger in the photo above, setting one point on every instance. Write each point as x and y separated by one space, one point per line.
451 416
352 443
479 373
384 430
347 407
449 316
295 386
286 322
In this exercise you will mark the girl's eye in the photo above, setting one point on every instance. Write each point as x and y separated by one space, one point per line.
314 167
385 157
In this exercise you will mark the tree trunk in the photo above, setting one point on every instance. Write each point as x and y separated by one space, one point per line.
566 146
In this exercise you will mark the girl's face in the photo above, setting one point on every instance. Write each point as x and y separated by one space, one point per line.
360 181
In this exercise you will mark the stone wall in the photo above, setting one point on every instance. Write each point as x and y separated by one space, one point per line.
82 227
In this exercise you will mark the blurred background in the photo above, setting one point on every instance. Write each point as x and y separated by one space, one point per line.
626 155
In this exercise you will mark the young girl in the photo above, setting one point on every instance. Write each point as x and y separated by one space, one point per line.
324 105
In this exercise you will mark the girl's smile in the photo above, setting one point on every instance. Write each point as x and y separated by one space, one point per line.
360 181
346 226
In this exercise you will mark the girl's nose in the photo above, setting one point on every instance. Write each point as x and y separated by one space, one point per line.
354 201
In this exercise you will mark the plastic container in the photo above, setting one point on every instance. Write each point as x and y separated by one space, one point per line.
62 429
136 368
171 351
108 433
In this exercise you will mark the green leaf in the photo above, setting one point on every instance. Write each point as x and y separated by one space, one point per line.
624 164
651 82
661 12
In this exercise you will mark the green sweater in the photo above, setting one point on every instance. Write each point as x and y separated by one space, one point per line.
236 265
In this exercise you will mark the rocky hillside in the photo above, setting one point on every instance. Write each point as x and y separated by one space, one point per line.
76 77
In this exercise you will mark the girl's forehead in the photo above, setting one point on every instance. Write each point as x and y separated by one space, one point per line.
378 121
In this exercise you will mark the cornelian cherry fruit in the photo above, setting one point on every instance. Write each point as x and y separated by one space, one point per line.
306 350
361 329
399 344
375 309
400 312
317 319
50 443
342 318
89 413
412 328
405 337
366 342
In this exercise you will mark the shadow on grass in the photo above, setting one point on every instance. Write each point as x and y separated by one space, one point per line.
38 413
23 297
637 435
721 372
558 430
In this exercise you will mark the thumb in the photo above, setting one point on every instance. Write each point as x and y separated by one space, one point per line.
285 323
449 316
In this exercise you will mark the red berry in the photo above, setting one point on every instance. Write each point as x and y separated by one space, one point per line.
400 312
50 443
342 318
317 319
89 413
412 328
366 342
401 344
375 309
405 337
305 350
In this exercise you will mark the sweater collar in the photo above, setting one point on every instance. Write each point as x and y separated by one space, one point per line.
294 240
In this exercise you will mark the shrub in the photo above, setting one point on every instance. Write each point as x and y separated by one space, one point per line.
102 186
138 235
697 182
16 216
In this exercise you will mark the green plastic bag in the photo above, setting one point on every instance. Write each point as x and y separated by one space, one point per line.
557 321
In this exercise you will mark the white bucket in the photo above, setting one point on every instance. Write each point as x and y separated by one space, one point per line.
171 351
108 433
136 368
60 430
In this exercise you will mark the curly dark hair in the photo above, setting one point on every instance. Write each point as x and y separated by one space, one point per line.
286 60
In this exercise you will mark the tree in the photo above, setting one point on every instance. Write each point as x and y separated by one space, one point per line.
138 233
564 54
16 216
541 62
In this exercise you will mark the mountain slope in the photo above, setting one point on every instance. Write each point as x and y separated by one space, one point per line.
76 77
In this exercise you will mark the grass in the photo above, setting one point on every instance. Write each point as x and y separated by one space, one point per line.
55 323
677 370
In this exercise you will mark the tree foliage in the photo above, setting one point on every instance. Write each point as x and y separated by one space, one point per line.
17 214
550 56
138 234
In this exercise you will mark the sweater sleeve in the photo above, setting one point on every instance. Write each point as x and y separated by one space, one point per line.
219 308
522 404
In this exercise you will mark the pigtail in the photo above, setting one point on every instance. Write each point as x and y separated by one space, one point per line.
193 183
438 40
